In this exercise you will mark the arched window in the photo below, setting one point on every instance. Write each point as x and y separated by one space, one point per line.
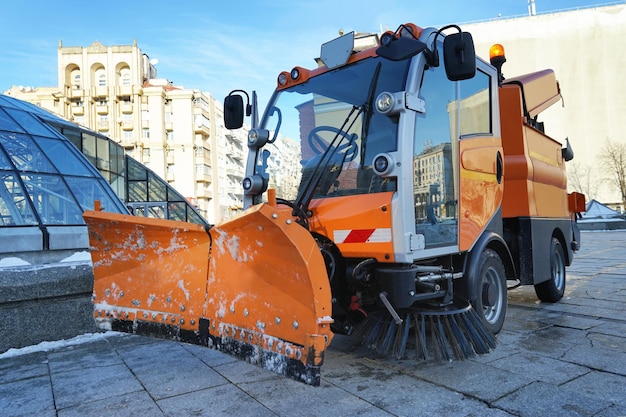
76 79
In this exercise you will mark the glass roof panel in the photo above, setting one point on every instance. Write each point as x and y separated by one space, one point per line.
52 199
8 124
31 123
65 160
14 207
25 154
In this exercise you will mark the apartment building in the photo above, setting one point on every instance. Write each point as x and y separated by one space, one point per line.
176 132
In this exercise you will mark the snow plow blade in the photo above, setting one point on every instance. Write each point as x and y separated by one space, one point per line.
254 287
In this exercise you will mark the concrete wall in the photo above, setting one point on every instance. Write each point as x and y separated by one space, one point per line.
44 302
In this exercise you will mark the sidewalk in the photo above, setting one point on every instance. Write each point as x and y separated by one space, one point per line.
564 359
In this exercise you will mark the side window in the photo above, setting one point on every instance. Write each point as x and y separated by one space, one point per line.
475 105
435 150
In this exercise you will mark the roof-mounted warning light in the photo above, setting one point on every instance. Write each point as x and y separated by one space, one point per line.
497 58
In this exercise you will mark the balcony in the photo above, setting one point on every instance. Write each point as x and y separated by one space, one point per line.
74 92
99 91
102 109
103 125
124 90
127 125
78 110
202 129
126 108
234 138
203 192
204 178
169 126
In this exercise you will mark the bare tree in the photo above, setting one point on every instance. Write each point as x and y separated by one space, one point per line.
613 161
580 178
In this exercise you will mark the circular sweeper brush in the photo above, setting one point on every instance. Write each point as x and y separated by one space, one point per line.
445 333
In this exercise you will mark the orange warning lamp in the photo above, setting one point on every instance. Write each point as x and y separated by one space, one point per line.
497 58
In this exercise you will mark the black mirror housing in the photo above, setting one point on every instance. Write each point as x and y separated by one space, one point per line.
459 56
399 49
233 111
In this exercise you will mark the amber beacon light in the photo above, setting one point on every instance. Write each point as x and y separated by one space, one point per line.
497 58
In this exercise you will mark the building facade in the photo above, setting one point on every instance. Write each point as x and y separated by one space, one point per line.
176 132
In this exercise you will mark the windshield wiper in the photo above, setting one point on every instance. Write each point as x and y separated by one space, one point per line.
305 195
307 190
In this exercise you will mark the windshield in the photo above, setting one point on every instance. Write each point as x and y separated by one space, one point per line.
324 133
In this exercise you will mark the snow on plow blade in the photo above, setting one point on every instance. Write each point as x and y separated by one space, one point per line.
255 286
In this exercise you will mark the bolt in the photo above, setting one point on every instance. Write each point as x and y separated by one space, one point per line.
121 293
145 315
232 309
277 320
168 299
274 216
182 321
288 221
182 308
295 324
154 316
245 312
173 319
107 292
193 322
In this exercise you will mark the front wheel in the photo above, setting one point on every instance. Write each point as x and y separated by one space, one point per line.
491 292
553 289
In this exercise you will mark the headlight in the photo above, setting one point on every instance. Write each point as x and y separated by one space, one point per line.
383 164
257 138
384 102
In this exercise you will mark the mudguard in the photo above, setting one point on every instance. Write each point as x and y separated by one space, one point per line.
255 286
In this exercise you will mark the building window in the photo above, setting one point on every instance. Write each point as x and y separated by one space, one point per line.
76 80
145 133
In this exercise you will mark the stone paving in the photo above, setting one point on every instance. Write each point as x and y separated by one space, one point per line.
563 359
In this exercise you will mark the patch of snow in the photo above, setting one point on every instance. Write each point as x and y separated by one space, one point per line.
83 256
47 346
12 261
181 285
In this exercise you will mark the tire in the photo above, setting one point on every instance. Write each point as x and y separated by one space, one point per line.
553 289
491 291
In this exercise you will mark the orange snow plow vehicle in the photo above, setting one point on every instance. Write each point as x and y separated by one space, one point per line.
391 193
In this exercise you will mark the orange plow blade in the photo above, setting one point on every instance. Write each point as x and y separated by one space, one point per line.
255 287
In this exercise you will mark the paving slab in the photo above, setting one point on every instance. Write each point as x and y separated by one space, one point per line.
167 369
27 397
133 404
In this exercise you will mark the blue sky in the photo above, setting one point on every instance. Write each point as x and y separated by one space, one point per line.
217 46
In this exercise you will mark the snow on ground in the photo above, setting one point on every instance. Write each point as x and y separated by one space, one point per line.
83 257
48 346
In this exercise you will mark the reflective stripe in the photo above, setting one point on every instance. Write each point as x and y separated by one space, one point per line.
362 236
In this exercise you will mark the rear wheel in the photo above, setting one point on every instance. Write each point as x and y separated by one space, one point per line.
491 292
553 289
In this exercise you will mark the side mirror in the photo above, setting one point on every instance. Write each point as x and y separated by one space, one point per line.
567 152
233 111
459 56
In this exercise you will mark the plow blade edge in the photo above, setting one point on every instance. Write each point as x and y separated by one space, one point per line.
254 287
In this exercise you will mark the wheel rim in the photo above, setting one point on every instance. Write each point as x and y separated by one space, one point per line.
491 280
558 270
